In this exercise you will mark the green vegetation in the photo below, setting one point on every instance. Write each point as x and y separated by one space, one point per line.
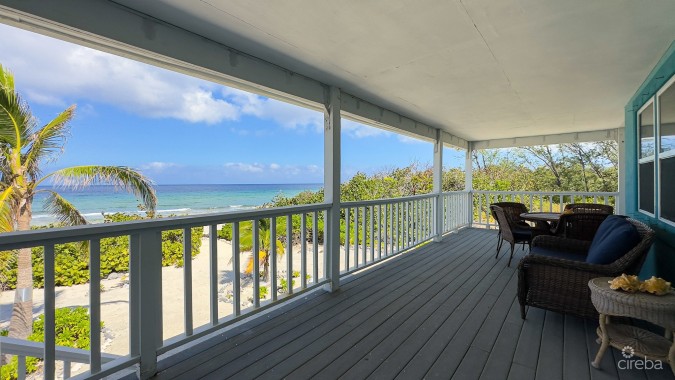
72 330
263 292
72 264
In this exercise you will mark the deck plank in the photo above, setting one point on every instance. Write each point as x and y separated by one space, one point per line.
343 354
365 316
354 291
445 310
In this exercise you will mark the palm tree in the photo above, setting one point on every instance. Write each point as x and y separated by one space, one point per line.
265 237
24 146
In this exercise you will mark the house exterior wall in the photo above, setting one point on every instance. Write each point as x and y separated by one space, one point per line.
661 259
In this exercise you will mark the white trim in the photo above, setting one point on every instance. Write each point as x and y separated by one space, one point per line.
644 160
665 155
561 138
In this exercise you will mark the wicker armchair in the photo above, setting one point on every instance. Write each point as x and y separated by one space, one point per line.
561 285
590 208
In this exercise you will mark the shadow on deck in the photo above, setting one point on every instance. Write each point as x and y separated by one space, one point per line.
445 310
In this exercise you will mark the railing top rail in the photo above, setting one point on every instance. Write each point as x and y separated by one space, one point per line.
387 200
27 348
594 193
22 239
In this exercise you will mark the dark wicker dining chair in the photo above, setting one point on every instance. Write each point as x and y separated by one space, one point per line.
511 231
590 208
512 210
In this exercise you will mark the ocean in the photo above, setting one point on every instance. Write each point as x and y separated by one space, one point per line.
94 201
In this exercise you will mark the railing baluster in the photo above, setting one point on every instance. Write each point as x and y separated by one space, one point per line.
49 313
386 229
66 370
365 238
379 231
21 368
213 274
303 250
347 238
289 254
256 263
95 305
356 237
187 280
371 212
134 295
273 257
236 270
398 226
315 247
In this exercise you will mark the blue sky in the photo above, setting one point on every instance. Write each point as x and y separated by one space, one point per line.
178 129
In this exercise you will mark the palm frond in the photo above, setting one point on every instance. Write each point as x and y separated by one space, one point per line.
6 220
128 179
16 120
64 211
48 140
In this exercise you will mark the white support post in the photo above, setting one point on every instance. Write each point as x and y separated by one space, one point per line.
468 181
332 163
150 286
621 147
438 187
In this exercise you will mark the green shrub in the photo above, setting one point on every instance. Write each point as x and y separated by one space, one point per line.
72 330
71 261
283 288
263 292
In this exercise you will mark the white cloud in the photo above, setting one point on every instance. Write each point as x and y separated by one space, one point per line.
158 166
262 170
76 72
287 115
243 167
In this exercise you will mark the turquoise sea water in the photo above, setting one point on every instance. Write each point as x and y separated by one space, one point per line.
94 201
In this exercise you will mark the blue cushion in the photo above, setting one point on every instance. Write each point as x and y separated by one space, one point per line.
605 228
614 238
541 251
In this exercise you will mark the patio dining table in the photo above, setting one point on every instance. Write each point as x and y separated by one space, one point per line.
550 217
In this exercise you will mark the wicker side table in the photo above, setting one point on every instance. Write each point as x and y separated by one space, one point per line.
659 310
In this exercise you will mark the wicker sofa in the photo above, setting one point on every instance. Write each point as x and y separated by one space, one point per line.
561 284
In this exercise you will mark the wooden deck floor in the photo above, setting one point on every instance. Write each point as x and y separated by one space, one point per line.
447 310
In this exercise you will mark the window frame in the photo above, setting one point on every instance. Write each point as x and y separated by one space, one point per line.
653 158
661 156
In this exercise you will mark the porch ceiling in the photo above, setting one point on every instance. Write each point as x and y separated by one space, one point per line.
478 69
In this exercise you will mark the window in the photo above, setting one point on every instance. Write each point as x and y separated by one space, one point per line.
666 161
646 151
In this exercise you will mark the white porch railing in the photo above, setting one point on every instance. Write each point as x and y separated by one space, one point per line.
25 349
146 336
535 201
370 231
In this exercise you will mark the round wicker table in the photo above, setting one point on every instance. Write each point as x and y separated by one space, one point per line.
659 310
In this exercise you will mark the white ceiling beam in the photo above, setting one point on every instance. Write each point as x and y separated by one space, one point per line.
562 138
364 112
